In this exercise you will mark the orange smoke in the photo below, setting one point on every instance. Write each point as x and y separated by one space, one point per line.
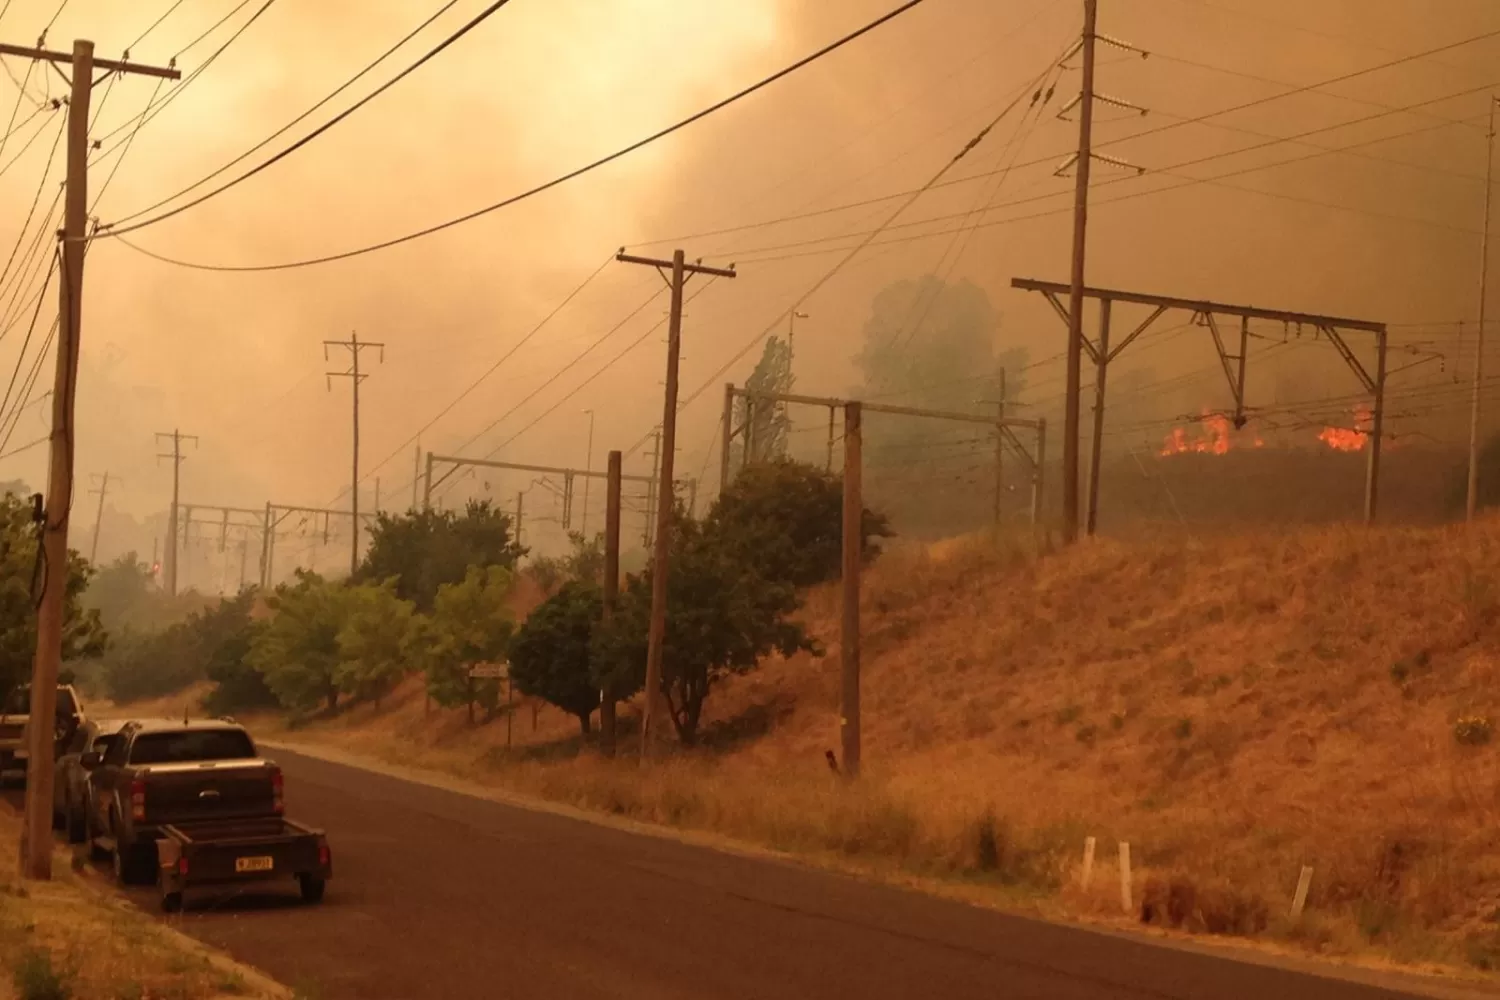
1216 436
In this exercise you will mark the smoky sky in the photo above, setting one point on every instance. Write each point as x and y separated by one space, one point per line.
1387 230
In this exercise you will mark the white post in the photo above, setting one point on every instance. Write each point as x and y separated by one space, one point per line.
1125 899
1304 882
1088 862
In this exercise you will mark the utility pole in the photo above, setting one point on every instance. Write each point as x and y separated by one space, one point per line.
416 474
1075 297
36 834
176 437
849 725
726 436
1472 501
103 490
520 499
588 466
999 404
427 484
355 377
680 270
611 591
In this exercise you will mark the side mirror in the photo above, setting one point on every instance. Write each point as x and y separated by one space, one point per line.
91 760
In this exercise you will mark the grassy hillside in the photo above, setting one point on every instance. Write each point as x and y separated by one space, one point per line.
1234 709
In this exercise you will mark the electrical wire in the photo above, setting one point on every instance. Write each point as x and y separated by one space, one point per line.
302 117
129 141
30 213
55 15
556 181
154 25
152 110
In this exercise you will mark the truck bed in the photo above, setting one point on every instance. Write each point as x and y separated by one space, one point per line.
234 851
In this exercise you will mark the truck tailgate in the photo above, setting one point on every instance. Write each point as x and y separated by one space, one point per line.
178 793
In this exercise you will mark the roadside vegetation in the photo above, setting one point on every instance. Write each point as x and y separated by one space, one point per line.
65 940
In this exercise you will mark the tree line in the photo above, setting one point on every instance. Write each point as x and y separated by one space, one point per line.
436 594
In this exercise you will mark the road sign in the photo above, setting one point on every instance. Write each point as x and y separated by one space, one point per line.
491 671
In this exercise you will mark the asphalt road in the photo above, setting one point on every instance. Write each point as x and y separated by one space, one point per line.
440 895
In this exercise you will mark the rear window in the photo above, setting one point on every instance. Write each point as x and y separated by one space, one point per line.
103 743
192 745
19 702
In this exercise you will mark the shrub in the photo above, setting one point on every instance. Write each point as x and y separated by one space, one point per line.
36 978
1473 730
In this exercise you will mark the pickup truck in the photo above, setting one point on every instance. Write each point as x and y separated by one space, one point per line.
15 715
193 803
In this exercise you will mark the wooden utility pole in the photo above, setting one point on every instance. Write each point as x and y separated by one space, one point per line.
520 499
1472 501
1075 296
1101 370
666 452
427 484
36 834
726 436
853 553
647 534
416 474
176 437
611 592
355 377
102 491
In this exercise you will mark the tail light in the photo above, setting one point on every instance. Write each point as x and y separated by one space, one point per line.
182 867
278 792
138 799
323 855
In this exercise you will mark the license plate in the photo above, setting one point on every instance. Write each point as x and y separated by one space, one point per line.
252 864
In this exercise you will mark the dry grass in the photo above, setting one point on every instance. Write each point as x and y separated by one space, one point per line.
63 940
1233 708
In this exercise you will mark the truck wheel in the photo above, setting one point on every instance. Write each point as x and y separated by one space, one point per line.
135 864
171 902
312 888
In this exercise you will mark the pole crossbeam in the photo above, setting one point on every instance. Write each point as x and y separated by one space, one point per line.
1005 428
1207 313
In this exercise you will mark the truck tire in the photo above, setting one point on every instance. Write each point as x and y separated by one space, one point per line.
171 902
135 864
312 888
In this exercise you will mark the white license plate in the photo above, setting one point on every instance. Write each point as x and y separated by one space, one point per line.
252 864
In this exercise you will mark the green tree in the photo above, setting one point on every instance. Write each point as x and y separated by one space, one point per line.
931 343
238 686
374 641
20 569
549 657
786 519
423 550
471 623
723 618
298 651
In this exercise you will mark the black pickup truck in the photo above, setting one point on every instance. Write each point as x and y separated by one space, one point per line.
193 803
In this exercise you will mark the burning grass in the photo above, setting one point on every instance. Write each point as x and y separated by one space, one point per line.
63 940
1233 709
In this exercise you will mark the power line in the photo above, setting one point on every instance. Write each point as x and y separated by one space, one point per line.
570 175
432 53
152 110
154 25
21 357
1179 123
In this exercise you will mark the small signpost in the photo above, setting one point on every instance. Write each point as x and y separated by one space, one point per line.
497 672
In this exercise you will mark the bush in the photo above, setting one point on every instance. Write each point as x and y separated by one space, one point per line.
36 978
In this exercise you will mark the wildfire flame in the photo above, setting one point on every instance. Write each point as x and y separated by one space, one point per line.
1216 437
1349 438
